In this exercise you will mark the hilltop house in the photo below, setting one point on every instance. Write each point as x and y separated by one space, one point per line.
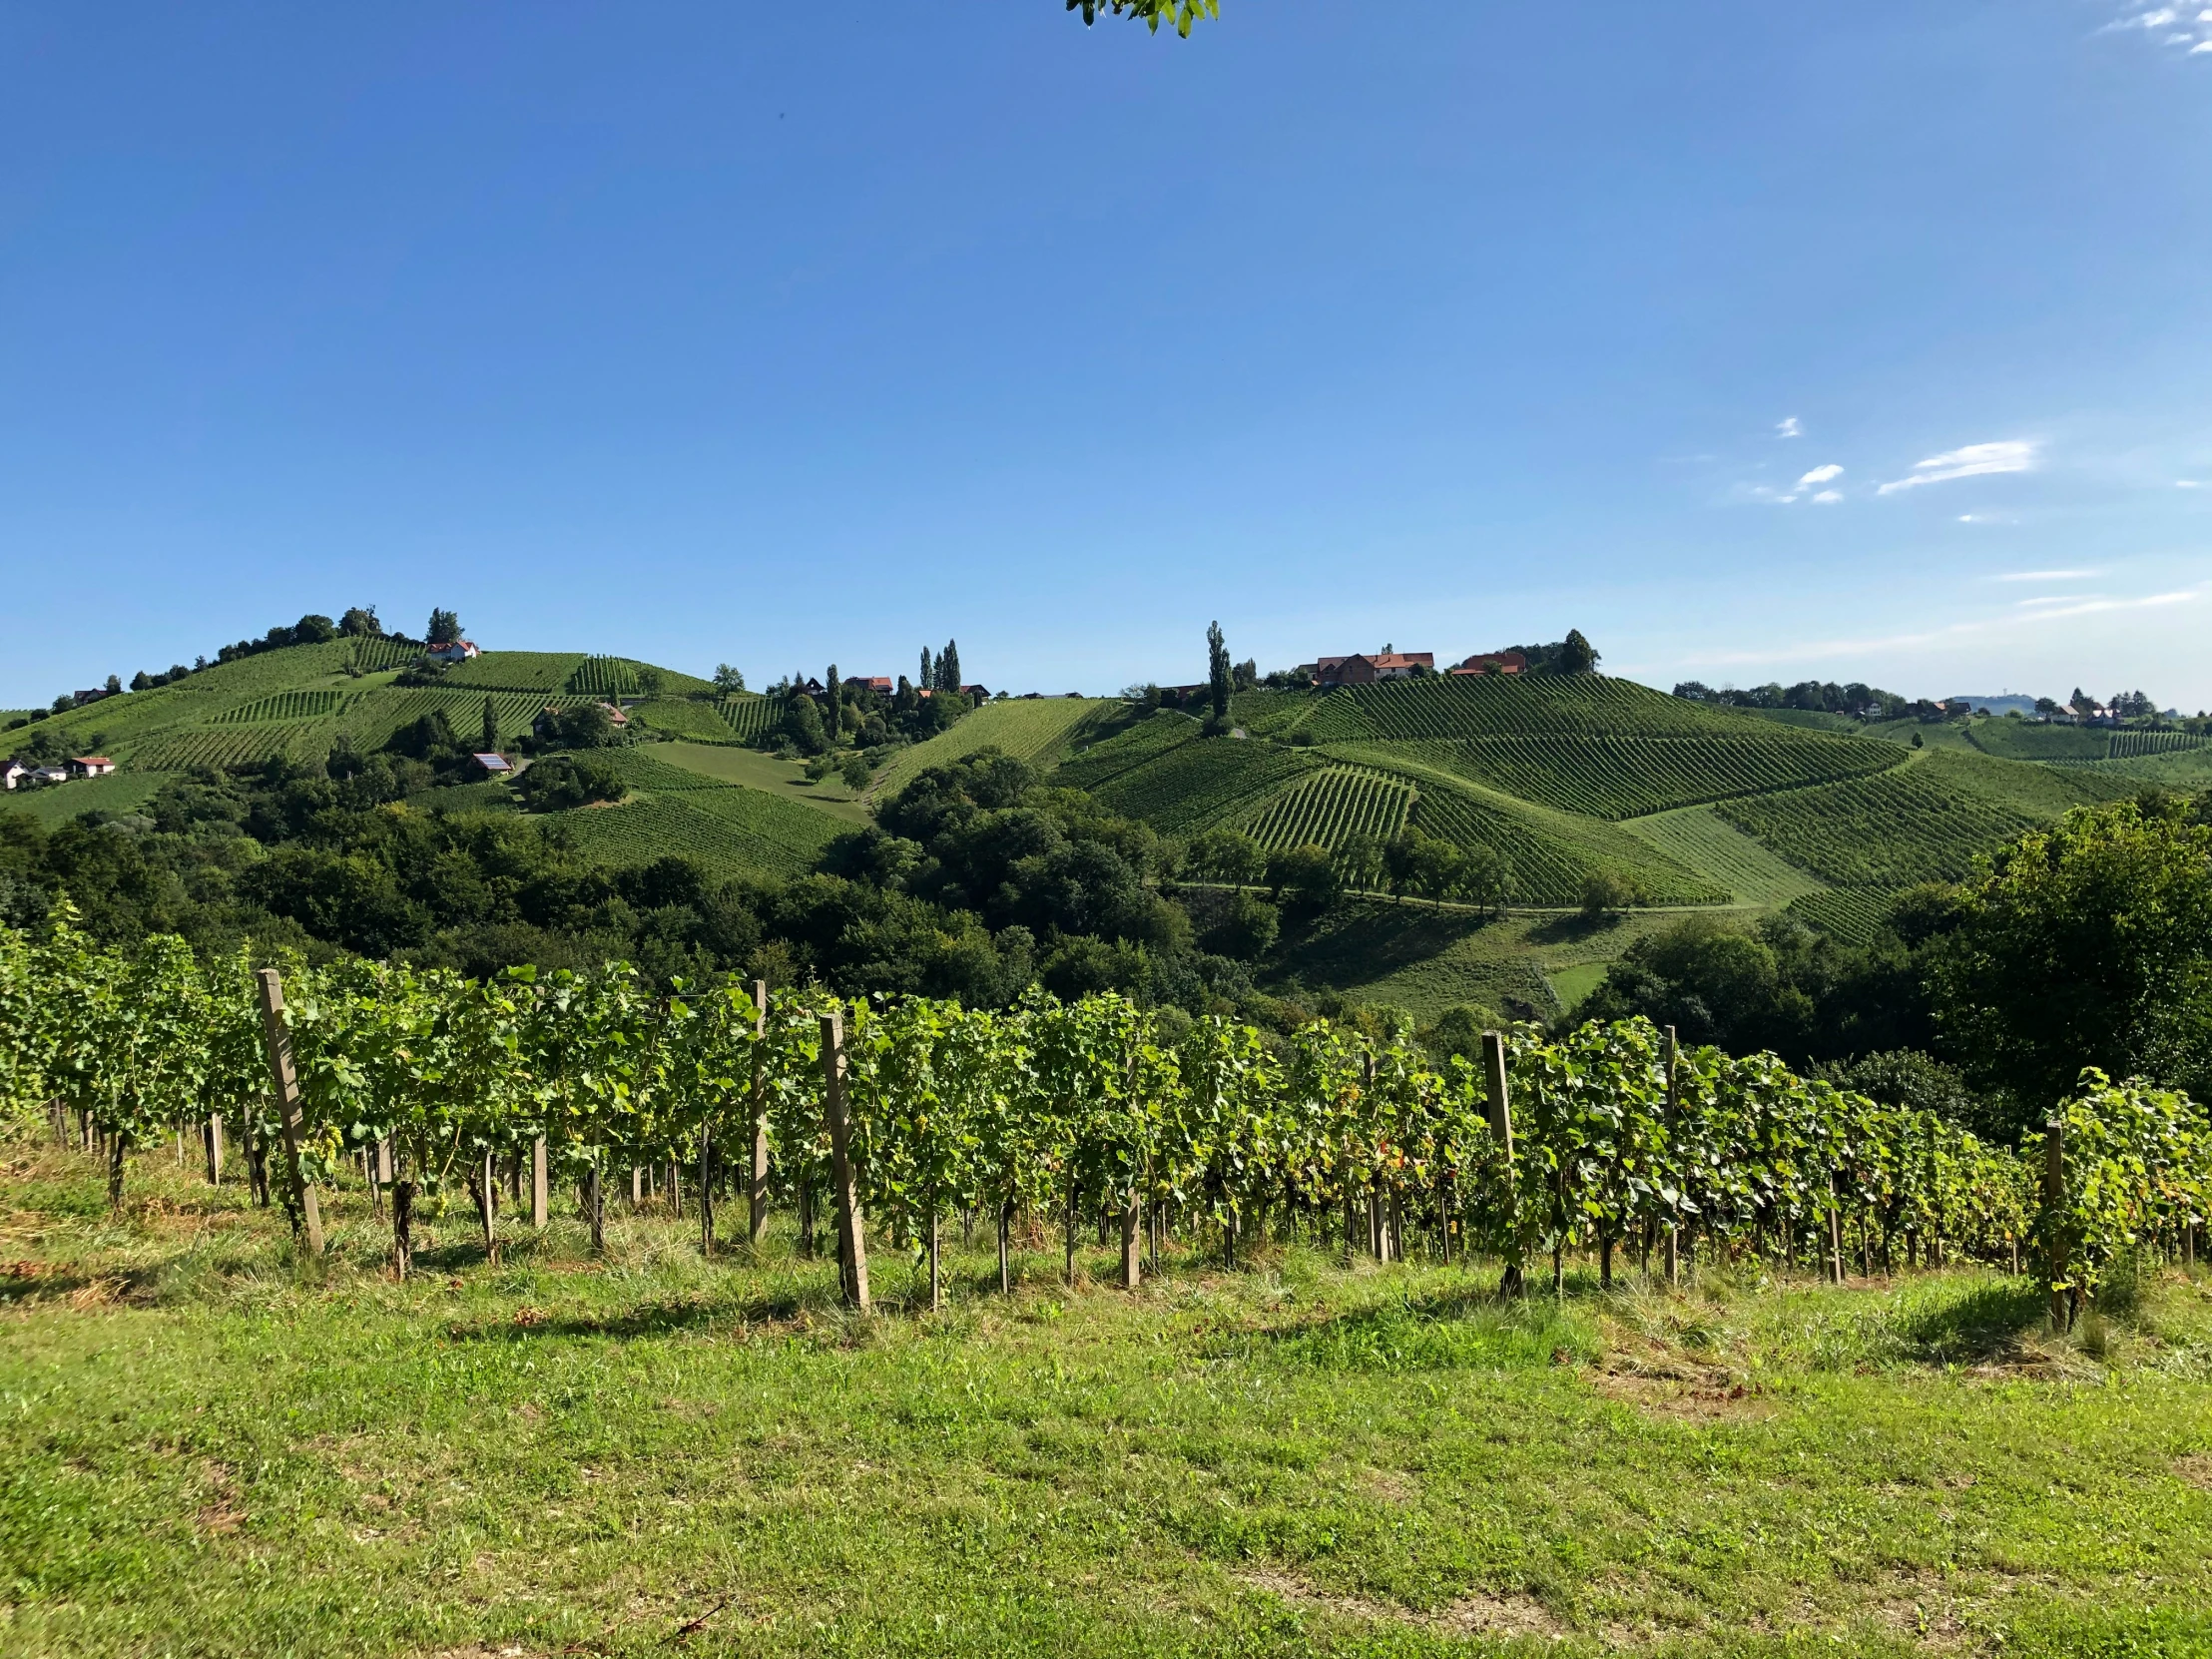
1367 668
90 766
1492 661
453 650
880 684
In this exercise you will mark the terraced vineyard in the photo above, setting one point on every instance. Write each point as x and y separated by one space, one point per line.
374 655
213 746
1918 822
603 676
290 706
1147 740
1196 786
1553 855
1450 709
2020 740
1331 807
2134 745
748 717
1619 778
522 671
1852 914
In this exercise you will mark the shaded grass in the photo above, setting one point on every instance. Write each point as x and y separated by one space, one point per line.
646 1453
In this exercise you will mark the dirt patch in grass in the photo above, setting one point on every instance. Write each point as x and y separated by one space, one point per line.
2196 1468
1487 1615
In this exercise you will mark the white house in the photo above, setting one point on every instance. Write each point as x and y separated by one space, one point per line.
453 650
16 772
90 766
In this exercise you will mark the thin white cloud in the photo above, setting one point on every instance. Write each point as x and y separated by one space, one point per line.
1789 429
1820 475
2072 605
2059 599
1828 498
2168 25
2201 46
2188 484
1975 460
2049 575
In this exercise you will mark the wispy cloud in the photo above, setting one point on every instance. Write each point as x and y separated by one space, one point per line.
2066 605
1828 498
1822 475
1788 427
1975 460
2167 25
2049 575
1797 491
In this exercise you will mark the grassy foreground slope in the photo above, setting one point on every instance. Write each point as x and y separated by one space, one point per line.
650 1455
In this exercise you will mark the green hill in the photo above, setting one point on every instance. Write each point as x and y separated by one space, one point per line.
1690 803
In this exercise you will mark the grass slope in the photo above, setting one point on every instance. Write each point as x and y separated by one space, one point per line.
207 1454
1699 840
118 791
1036 729
750 769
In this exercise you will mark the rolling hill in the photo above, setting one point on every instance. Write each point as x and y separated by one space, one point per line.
1694 806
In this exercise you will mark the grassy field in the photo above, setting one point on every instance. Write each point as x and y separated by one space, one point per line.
118 791
1426 958
752 769
1037 730
1716 849
207 1451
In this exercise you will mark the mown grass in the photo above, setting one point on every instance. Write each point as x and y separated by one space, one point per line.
205 1449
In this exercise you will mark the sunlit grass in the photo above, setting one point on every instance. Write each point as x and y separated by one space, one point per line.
208 1447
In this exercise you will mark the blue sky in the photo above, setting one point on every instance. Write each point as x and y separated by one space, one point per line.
1862 341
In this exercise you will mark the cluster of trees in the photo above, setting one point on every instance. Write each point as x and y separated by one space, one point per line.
1408 864
2088 943
1821 695
851 729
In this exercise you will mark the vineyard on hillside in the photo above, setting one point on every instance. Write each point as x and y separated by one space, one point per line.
1331 807
1619 778
1552 858
213 746
2131 746
1148 738
748 718
1454 707
291 706
2019 739
1921 823
727 828
521 671
1196 786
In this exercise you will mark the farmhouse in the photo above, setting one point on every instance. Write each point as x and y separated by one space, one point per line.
1493 662
453 650
1366 668
90 766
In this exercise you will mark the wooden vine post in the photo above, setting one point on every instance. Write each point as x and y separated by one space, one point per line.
211 1137
1132 1255
279 1037
852 1233
706 1190
1501 1125
1674 1228
539 1187
1835 1234
757 1192
2054 1194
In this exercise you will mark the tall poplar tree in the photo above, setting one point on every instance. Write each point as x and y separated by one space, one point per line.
1217 669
